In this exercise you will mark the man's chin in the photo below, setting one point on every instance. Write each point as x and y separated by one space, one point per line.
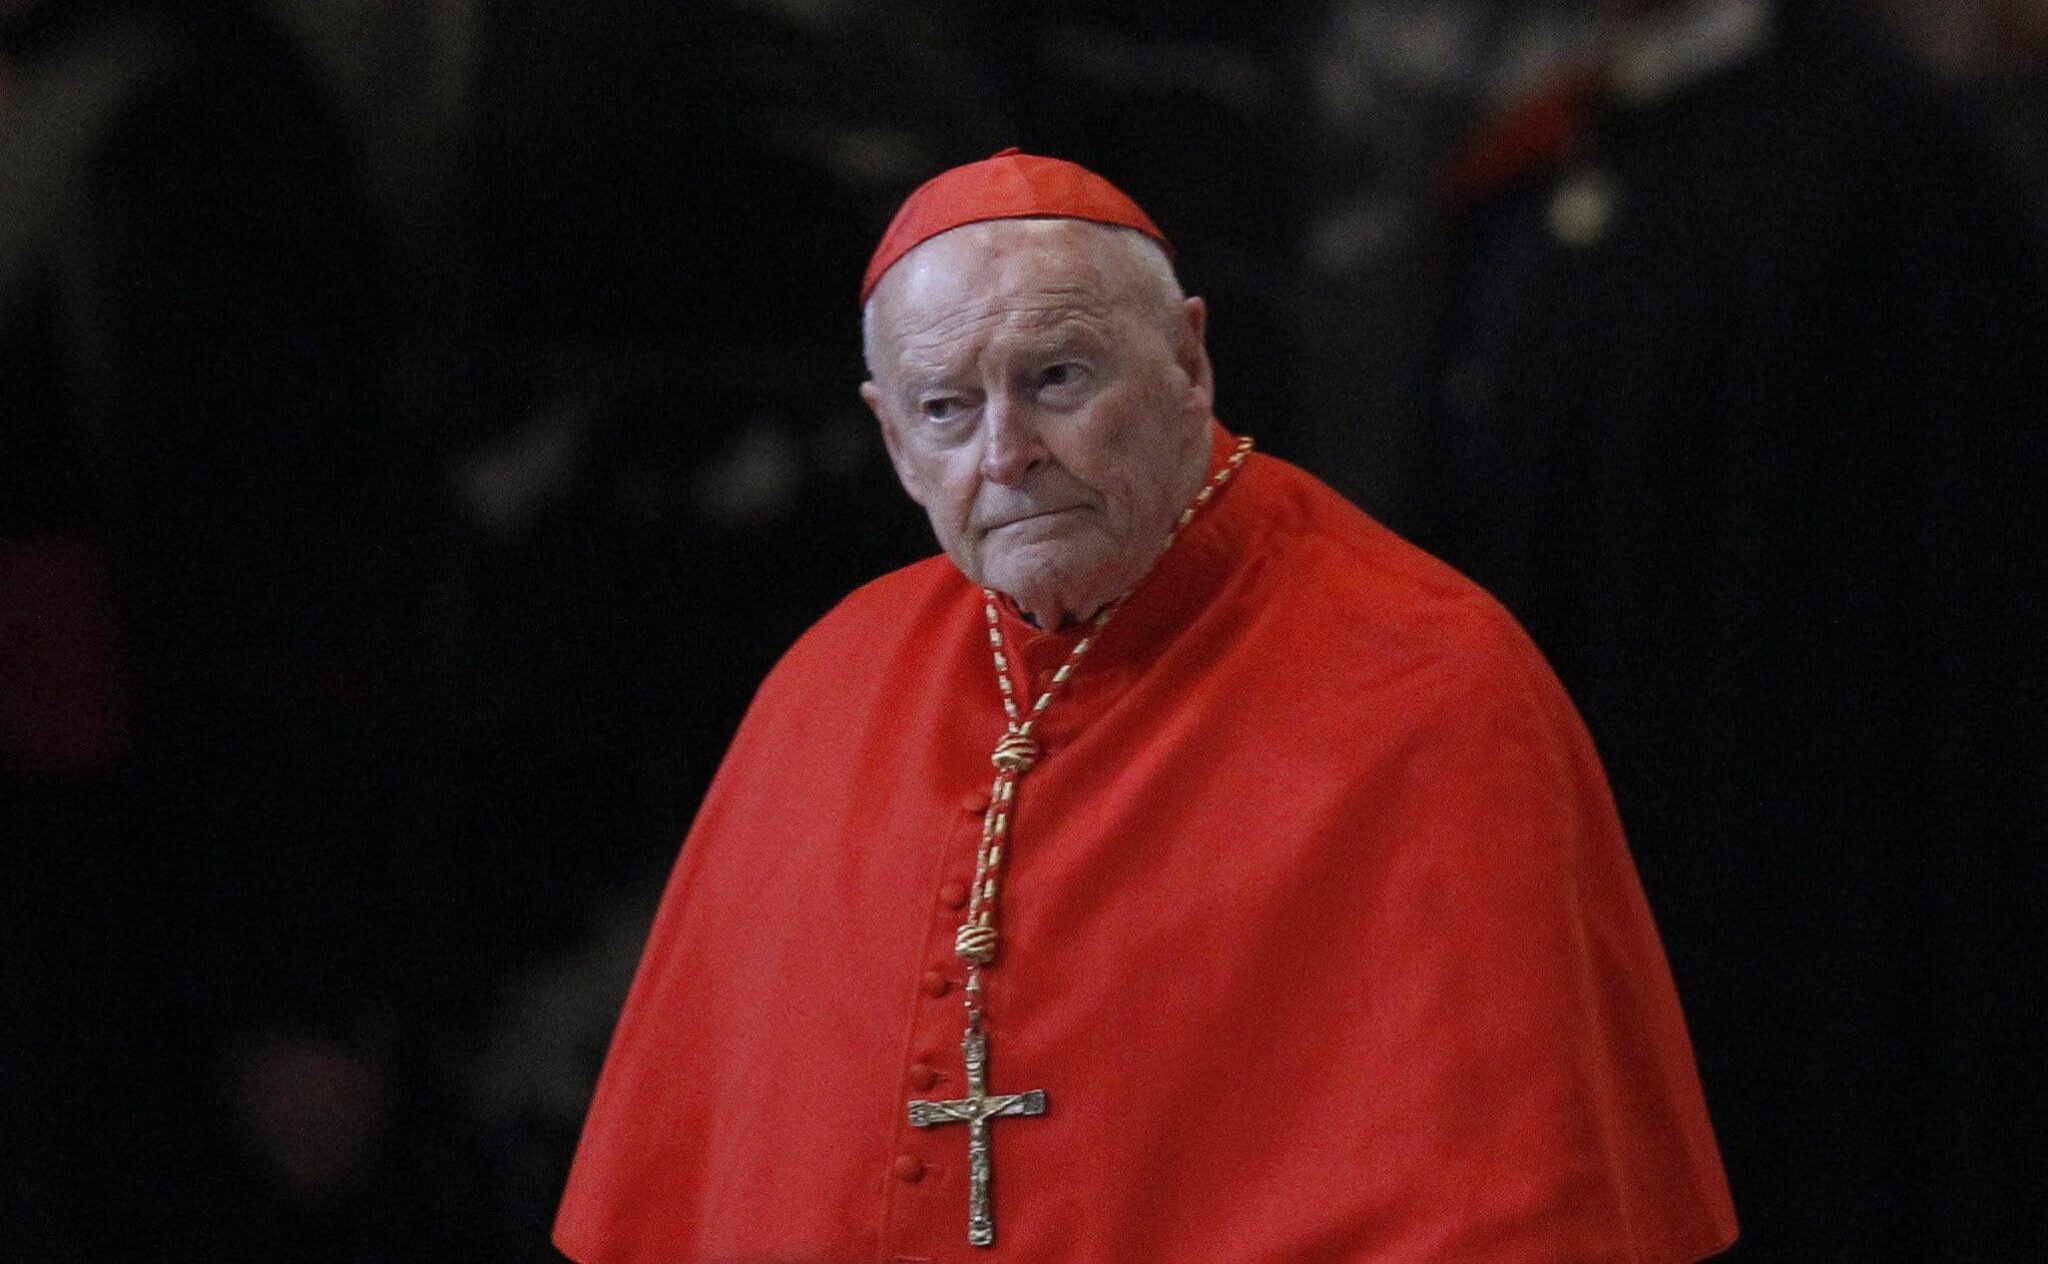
1064 582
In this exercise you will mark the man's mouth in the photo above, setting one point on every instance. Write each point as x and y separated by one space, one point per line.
1032 517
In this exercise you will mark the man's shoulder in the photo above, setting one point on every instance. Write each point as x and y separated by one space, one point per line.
1383 602
880 615
1412 654
900 597
1348 562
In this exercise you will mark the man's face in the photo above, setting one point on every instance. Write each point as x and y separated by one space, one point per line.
1045 397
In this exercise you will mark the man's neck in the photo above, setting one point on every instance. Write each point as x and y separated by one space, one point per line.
1065 619
1054 613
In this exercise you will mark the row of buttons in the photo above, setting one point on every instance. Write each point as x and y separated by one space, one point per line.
923 1076
908 1168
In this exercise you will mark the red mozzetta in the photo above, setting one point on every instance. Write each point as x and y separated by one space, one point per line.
1319 935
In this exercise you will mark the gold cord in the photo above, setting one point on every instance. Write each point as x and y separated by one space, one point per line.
1019 751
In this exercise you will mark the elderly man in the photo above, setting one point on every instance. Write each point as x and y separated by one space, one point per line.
1288 918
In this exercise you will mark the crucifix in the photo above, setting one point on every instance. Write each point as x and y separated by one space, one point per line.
1016 753
975 1110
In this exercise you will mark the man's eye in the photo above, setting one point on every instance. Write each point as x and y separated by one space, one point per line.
1061 374
944 408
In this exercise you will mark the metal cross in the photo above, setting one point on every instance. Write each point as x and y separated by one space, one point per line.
975 1110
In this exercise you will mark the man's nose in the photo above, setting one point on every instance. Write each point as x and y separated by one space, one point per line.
1011 447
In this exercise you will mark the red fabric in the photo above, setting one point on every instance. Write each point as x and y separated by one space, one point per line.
1320 936
1531 137
1009 185
62 700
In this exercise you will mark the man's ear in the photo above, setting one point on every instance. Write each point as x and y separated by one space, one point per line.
892 439
1191 350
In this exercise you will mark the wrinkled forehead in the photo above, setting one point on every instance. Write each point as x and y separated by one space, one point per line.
1021 272
1012 256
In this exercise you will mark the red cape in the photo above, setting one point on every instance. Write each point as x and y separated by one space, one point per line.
1320 936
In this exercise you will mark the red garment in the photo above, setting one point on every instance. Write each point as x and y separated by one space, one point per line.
1006 185
1319 934
1533 136
63 702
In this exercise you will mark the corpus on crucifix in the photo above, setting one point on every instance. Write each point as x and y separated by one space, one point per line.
975 1110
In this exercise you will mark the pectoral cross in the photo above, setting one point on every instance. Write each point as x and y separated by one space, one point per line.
975 1110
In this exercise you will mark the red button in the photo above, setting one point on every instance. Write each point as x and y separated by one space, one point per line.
936 984
953 895
922 1076
974 804
909 1169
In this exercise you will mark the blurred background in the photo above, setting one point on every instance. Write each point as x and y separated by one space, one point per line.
421 424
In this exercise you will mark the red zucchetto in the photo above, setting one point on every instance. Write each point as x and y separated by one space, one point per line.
1010 185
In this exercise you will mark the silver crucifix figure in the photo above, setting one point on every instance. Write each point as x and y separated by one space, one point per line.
975 1110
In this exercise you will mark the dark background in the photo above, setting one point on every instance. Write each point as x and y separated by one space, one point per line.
421 426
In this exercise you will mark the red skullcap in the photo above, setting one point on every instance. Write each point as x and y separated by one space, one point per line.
1010 185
